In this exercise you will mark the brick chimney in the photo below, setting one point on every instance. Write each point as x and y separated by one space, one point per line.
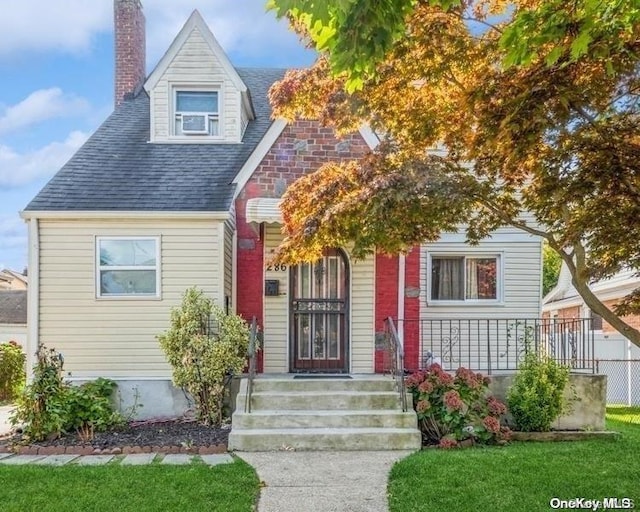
129 33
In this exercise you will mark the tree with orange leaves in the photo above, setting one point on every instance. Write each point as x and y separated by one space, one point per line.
521 113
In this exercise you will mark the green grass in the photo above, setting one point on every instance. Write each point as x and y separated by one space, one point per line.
521 477
153 488
623 413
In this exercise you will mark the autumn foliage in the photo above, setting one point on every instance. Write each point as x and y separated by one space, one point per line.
521 113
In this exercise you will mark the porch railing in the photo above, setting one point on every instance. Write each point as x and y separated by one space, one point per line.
252 354
394 362
494 345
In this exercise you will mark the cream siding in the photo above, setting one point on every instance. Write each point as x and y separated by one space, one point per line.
521 266
117 337
196 65
276 313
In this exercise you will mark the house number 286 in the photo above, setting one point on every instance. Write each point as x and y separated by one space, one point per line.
277 268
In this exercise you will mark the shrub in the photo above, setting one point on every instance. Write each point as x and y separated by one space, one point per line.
203 358
50 406
12 370
536 397
456 408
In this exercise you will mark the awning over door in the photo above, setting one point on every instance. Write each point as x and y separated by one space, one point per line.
264 209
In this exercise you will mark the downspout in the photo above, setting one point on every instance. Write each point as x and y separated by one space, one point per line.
401 294
33 296
234 271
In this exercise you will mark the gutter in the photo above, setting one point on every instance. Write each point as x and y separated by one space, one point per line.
33 297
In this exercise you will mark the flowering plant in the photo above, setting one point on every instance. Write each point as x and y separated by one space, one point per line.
455 408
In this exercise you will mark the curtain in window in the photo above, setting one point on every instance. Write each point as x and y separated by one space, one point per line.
472 279
447 279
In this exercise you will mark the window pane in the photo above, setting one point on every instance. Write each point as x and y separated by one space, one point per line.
196 101
127 282
447 279
128 252
482 278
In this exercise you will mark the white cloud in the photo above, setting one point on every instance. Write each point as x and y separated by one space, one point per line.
67 25
39 106
13 232
70 25
18 169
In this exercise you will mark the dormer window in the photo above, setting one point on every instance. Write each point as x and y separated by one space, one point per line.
197 113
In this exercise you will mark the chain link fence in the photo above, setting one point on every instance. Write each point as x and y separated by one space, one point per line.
623 388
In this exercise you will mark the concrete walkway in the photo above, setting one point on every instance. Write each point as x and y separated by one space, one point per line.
323 481
5 426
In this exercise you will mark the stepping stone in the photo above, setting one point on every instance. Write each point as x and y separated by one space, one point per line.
57 460
22 459
177 458
94 460
5 455
138 459
214 460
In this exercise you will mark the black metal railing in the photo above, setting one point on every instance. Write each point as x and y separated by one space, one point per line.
394 359
252 355
493 345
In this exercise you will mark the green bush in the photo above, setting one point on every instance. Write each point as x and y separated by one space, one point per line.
12 370
456 408
204 345
535 399
50 407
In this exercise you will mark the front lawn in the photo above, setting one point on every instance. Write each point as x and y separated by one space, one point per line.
152 488
519 477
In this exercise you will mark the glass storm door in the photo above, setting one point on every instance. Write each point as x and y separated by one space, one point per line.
319 314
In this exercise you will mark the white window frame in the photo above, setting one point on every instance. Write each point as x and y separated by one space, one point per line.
498 256
125 296
178 88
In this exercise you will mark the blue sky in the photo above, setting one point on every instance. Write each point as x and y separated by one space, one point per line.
56 81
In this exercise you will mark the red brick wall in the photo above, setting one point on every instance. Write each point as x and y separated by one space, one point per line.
412 310
575 312
130 51
303 147
386 298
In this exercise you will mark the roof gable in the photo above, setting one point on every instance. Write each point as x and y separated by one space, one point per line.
195 22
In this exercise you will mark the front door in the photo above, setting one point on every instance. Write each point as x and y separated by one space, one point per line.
319 312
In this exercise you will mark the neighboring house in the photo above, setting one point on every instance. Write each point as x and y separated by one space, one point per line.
13 316
616 356
180 187
12 280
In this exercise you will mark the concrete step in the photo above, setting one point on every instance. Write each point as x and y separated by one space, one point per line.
324 439
324 419
315 400
378 383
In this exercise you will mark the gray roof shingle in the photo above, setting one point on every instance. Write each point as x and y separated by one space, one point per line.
117 168
13 307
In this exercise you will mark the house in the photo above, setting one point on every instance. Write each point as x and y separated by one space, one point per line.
615 355
13 316
12 280
180 187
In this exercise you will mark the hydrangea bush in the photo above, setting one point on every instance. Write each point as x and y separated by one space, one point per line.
454 409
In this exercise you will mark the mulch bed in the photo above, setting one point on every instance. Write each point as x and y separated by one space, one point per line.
175 436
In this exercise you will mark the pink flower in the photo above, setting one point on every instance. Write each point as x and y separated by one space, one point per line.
452 401
423 406
426 387
491 424
445 379
495 406
447 443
